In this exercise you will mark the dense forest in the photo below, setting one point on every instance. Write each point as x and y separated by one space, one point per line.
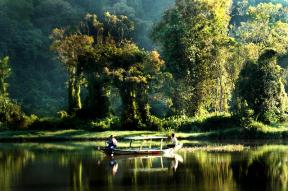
141 63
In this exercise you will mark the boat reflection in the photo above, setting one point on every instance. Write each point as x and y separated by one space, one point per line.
114 166
263 168
146 164
175 162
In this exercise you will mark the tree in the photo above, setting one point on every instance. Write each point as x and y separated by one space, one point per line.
108 36
94 65
5 71
69 48
266 27
133 70
110 58
261 88
192 36
37 80
9 111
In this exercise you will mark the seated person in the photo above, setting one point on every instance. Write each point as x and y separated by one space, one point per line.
112 143
174 141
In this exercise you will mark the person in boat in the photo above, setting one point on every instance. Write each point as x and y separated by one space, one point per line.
174 141
112 143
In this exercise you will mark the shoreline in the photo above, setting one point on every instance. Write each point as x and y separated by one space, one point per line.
228 135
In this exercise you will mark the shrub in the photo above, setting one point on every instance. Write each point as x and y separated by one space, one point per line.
108 123
178 123
218 123
10 112
155 123
257 126
62 114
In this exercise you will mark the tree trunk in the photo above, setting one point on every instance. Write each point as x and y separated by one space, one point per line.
2 87
70 95
98 104
130 117
221 95
143 105
74 99
77 97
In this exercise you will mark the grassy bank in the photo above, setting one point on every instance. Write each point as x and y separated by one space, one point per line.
214 127
83 135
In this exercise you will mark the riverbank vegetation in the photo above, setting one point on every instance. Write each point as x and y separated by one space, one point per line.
214 67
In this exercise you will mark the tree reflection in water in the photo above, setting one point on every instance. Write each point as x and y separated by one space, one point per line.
261 168
264 168
11 165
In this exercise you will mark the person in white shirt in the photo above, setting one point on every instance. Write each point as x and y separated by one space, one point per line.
174 140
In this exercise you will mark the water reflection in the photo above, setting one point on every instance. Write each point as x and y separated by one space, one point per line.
114 166
260 168
264 168
11 165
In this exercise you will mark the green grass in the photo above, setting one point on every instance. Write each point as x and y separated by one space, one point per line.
212 127
265 132
216 148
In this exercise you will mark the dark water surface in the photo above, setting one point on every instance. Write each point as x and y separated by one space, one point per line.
80 167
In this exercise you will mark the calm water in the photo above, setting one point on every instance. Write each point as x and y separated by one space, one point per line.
78 167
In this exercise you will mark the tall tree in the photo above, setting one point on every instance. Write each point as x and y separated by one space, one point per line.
10 112
266 27
69 48
261 87
5 72
191 36
133 70
108 35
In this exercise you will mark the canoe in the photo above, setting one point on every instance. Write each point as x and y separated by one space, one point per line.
144 151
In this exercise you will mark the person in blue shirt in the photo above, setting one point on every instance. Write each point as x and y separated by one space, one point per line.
112 143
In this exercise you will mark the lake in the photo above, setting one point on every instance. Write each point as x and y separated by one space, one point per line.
79 166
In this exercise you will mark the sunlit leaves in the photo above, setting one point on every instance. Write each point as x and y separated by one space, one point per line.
70 47
191 36
5 71
266 27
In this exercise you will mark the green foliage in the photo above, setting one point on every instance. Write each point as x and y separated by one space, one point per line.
37 79
109 123
102 55
218 122
193 37
261 86
69 48
199 124
179 123
5 72
58 124
10 112
62 114
203 58
266 27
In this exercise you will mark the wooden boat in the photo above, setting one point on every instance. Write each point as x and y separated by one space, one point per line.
142 151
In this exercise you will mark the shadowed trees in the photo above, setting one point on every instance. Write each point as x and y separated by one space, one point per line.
102 55
261 88
133 71
69 47
5 72
10 112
